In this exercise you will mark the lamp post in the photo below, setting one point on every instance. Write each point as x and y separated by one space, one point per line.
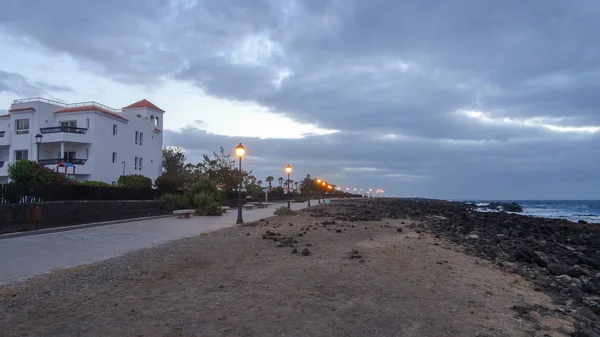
288 169
309 188
38 141
240 151
318 186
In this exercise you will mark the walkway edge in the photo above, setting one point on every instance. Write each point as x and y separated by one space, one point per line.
75 227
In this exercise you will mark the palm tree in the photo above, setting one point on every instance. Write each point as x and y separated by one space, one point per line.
280 181
259 183
295 185
270 180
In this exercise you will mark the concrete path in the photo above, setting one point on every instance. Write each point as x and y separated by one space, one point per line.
26 256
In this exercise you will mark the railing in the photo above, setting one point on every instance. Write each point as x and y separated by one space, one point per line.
2 133
57 161
66 105
67 129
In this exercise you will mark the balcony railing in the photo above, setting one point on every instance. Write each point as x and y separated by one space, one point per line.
67 129
2 133
57 161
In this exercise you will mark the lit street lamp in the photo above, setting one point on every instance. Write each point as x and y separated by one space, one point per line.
38 140
240 151
288 169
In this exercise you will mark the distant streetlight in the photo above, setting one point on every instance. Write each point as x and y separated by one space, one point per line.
38 141
240 151
288 169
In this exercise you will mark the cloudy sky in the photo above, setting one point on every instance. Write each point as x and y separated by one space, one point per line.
450 99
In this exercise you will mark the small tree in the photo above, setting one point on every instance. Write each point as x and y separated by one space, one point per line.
269 180
25 171
134 180
165 184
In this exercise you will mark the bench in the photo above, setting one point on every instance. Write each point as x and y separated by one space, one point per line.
184 213
248 206
225 208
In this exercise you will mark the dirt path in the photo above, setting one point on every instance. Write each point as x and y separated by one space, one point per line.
237 282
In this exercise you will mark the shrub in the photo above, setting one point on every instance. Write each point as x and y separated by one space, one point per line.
208 188
94 183
206 205
283 210
25 171
134 180
171 202
165 183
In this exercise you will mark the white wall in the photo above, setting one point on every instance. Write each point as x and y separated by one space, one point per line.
98 140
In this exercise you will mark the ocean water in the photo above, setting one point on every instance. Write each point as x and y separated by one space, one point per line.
573 210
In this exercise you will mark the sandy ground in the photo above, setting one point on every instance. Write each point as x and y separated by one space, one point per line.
234 282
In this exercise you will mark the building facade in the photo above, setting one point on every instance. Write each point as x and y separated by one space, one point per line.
93 141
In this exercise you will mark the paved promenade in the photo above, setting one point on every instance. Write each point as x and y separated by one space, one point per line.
26 256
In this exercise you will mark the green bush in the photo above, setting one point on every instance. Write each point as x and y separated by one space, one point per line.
25 171
206 205
134 180
167 184
171 202
94 183
208 188
283 210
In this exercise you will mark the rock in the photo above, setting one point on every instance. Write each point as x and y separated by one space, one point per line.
338 230
526 254
559 269
472 237
294 251
399 230
306 252
564 278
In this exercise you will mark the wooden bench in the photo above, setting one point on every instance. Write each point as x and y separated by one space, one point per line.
224 209
184 213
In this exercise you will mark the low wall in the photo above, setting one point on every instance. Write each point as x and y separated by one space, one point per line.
15 217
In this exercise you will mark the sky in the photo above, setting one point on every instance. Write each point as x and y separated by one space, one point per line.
462 99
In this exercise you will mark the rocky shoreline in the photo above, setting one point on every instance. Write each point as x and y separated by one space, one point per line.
559 257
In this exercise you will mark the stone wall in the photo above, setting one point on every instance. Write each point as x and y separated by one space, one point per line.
15 217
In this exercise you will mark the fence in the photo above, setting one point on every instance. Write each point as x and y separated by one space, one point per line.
28 193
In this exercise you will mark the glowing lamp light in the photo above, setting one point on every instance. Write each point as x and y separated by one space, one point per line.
288 169
240 151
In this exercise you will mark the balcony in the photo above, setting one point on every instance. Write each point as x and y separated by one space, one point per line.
59 129
57 161
65 134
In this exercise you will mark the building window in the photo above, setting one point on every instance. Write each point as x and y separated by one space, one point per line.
87 153
69 124
69 156
156 121
21 154
141 138
135 166
137 136
114 129
114 157
22 126
141 164
87 123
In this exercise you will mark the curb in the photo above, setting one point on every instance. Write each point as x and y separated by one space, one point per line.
75 227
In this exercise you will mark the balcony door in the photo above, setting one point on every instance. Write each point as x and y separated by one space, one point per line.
69 124
69 156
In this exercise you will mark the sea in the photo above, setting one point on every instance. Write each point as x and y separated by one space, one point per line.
572 210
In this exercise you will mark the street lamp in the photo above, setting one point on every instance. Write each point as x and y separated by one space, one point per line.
288 169
309 189
38 140
240 151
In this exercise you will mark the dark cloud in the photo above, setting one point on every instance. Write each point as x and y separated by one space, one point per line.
402 80
17 84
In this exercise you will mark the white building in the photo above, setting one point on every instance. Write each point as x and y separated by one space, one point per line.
101 143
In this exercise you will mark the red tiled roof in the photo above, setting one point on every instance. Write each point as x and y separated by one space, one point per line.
157 130
91 108
7 115
21 109
144 104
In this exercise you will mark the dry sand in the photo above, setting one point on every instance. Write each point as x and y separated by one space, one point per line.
233 282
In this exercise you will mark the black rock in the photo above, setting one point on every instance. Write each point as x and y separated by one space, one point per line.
306 252
399 230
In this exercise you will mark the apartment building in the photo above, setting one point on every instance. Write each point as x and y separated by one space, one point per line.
91 141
